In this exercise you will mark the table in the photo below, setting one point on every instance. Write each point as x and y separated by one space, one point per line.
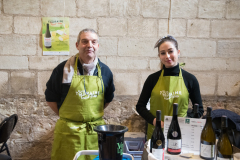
178 157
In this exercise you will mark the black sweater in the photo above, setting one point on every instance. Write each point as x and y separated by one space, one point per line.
189 80
57 91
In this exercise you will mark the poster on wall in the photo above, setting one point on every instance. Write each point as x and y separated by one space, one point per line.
55 35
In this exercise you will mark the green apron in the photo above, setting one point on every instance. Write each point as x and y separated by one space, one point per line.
80 112
168 90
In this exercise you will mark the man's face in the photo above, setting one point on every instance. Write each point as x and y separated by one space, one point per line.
88 46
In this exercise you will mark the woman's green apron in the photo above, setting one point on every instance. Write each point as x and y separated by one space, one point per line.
81 110
168 90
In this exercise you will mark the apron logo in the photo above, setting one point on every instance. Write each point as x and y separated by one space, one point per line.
74 127
170 95
88 95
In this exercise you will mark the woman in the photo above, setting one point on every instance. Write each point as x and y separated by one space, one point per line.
169 85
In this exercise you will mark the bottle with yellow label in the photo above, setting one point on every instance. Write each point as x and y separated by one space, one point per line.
157 144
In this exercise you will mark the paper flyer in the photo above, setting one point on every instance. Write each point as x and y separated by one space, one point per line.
55 35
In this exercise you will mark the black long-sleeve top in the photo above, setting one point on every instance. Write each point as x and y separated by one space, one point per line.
57 91
189 80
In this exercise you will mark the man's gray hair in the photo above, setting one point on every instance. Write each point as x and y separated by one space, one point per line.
86 30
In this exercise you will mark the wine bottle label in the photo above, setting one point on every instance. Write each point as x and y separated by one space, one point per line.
219 158
47 42
207 150
159 142
174 145
174 134
158 153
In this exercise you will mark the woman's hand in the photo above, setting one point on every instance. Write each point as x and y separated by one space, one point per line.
154 123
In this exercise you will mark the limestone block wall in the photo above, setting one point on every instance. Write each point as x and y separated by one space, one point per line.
208 32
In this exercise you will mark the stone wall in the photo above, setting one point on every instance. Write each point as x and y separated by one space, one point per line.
208 32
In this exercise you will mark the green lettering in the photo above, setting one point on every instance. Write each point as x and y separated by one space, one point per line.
120 148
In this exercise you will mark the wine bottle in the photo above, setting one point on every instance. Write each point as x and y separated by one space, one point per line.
157 144
174 137
208 138
224 147
195 109
47 38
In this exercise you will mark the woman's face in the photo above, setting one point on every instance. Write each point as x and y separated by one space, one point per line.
168 54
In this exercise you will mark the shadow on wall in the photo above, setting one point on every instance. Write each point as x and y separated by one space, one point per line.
32 139
122 111
33 135
36 150
135 123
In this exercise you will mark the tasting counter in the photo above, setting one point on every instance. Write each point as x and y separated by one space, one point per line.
191 129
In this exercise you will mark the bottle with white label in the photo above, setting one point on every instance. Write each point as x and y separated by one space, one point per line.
157 144
47 38
208 138
224 146
174 136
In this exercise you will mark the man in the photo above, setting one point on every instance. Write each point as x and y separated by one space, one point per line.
78 91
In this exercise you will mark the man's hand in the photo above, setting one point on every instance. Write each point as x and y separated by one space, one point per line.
154 123
53 106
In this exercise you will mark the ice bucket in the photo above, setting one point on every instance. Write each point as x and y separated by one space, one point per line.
110 141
